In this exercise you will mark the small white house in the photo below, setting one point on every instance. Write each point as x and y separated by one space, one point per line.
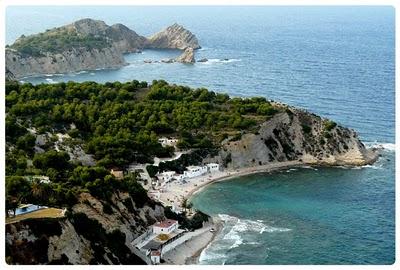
165 176
213 167
40 178
165 227
179 177
155 256
168 141
194 171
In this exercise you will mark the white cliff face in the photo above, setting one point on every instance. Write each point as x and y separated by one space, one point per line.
74 59
283 138
174 37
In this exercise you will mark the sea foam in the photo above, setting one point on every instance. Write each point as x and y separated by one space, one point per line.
386 146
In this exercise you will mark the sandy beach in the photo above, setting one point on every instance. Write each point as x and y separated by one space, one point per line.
189 251
174 193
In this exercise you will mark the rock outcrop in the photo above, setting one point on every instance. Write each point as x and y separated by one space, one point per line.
9 75
87 45
187 56
174 37
297 135
87 235
74 59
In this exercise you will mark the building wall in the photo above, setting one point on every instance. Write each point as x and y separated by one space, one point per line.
155 259
191 173
159 230
213 167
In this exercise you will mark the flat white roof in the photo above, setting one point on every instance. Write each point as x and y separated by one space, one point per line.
194 167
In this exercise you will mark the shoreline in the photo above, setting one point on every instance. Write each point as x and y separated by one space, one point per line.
194 259
195 185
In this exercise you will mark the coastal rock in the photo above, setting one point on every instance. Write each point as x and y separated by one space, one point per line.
296 135
167 61
173 37
9 75
187 56
202 60
72 60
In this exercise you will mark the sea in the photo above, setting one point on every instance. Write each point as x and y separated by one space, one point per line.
336 61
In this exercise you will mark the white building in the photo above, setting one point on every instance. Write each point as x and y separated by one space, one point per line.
168 141
165 176
40 178
179 177
165 227
213 167
194 171
155 256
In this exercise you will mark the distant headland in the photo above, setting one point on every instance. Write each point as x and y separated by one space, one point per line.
89 44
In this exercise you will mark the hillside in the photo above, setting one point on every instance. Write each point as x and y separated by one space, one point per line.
74 133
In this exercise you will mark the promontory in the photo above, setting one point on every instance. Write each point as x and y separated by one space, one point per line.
87 44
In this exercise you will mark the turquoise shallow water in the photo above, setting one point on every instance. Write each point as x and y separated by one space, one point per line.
337 62
304 216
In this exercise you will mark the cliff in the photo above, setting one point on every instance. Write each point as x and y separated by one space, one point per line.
87 235
174 37
87 45
296 135
71 60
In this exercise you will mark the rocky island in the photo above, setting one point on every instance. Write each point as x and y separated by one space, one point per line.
87 44
133 139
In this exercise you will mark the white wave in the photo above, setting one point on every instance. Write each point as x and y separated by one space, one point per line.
386 146
375 167
209 255
82 72
220 61
92 73
51 81
243 225
48 75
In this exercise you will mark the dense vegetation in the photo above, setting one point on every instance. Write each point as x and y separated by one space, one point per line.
118 123
55 41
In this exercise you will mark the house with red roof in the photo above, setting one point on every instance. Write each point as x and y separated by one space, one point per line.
165 227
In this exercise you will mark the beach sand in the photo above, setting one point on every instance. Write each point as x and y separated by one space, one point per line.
189 252
174 193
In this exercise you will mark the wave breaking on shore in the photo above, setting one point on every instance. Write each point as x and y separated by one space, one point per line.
231 237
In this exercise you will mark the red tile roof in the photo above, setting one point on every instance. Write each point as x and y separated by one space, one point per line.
166 223
155 253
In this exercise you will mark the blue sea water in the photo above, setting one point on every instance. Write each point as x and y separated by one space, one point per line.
337 62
